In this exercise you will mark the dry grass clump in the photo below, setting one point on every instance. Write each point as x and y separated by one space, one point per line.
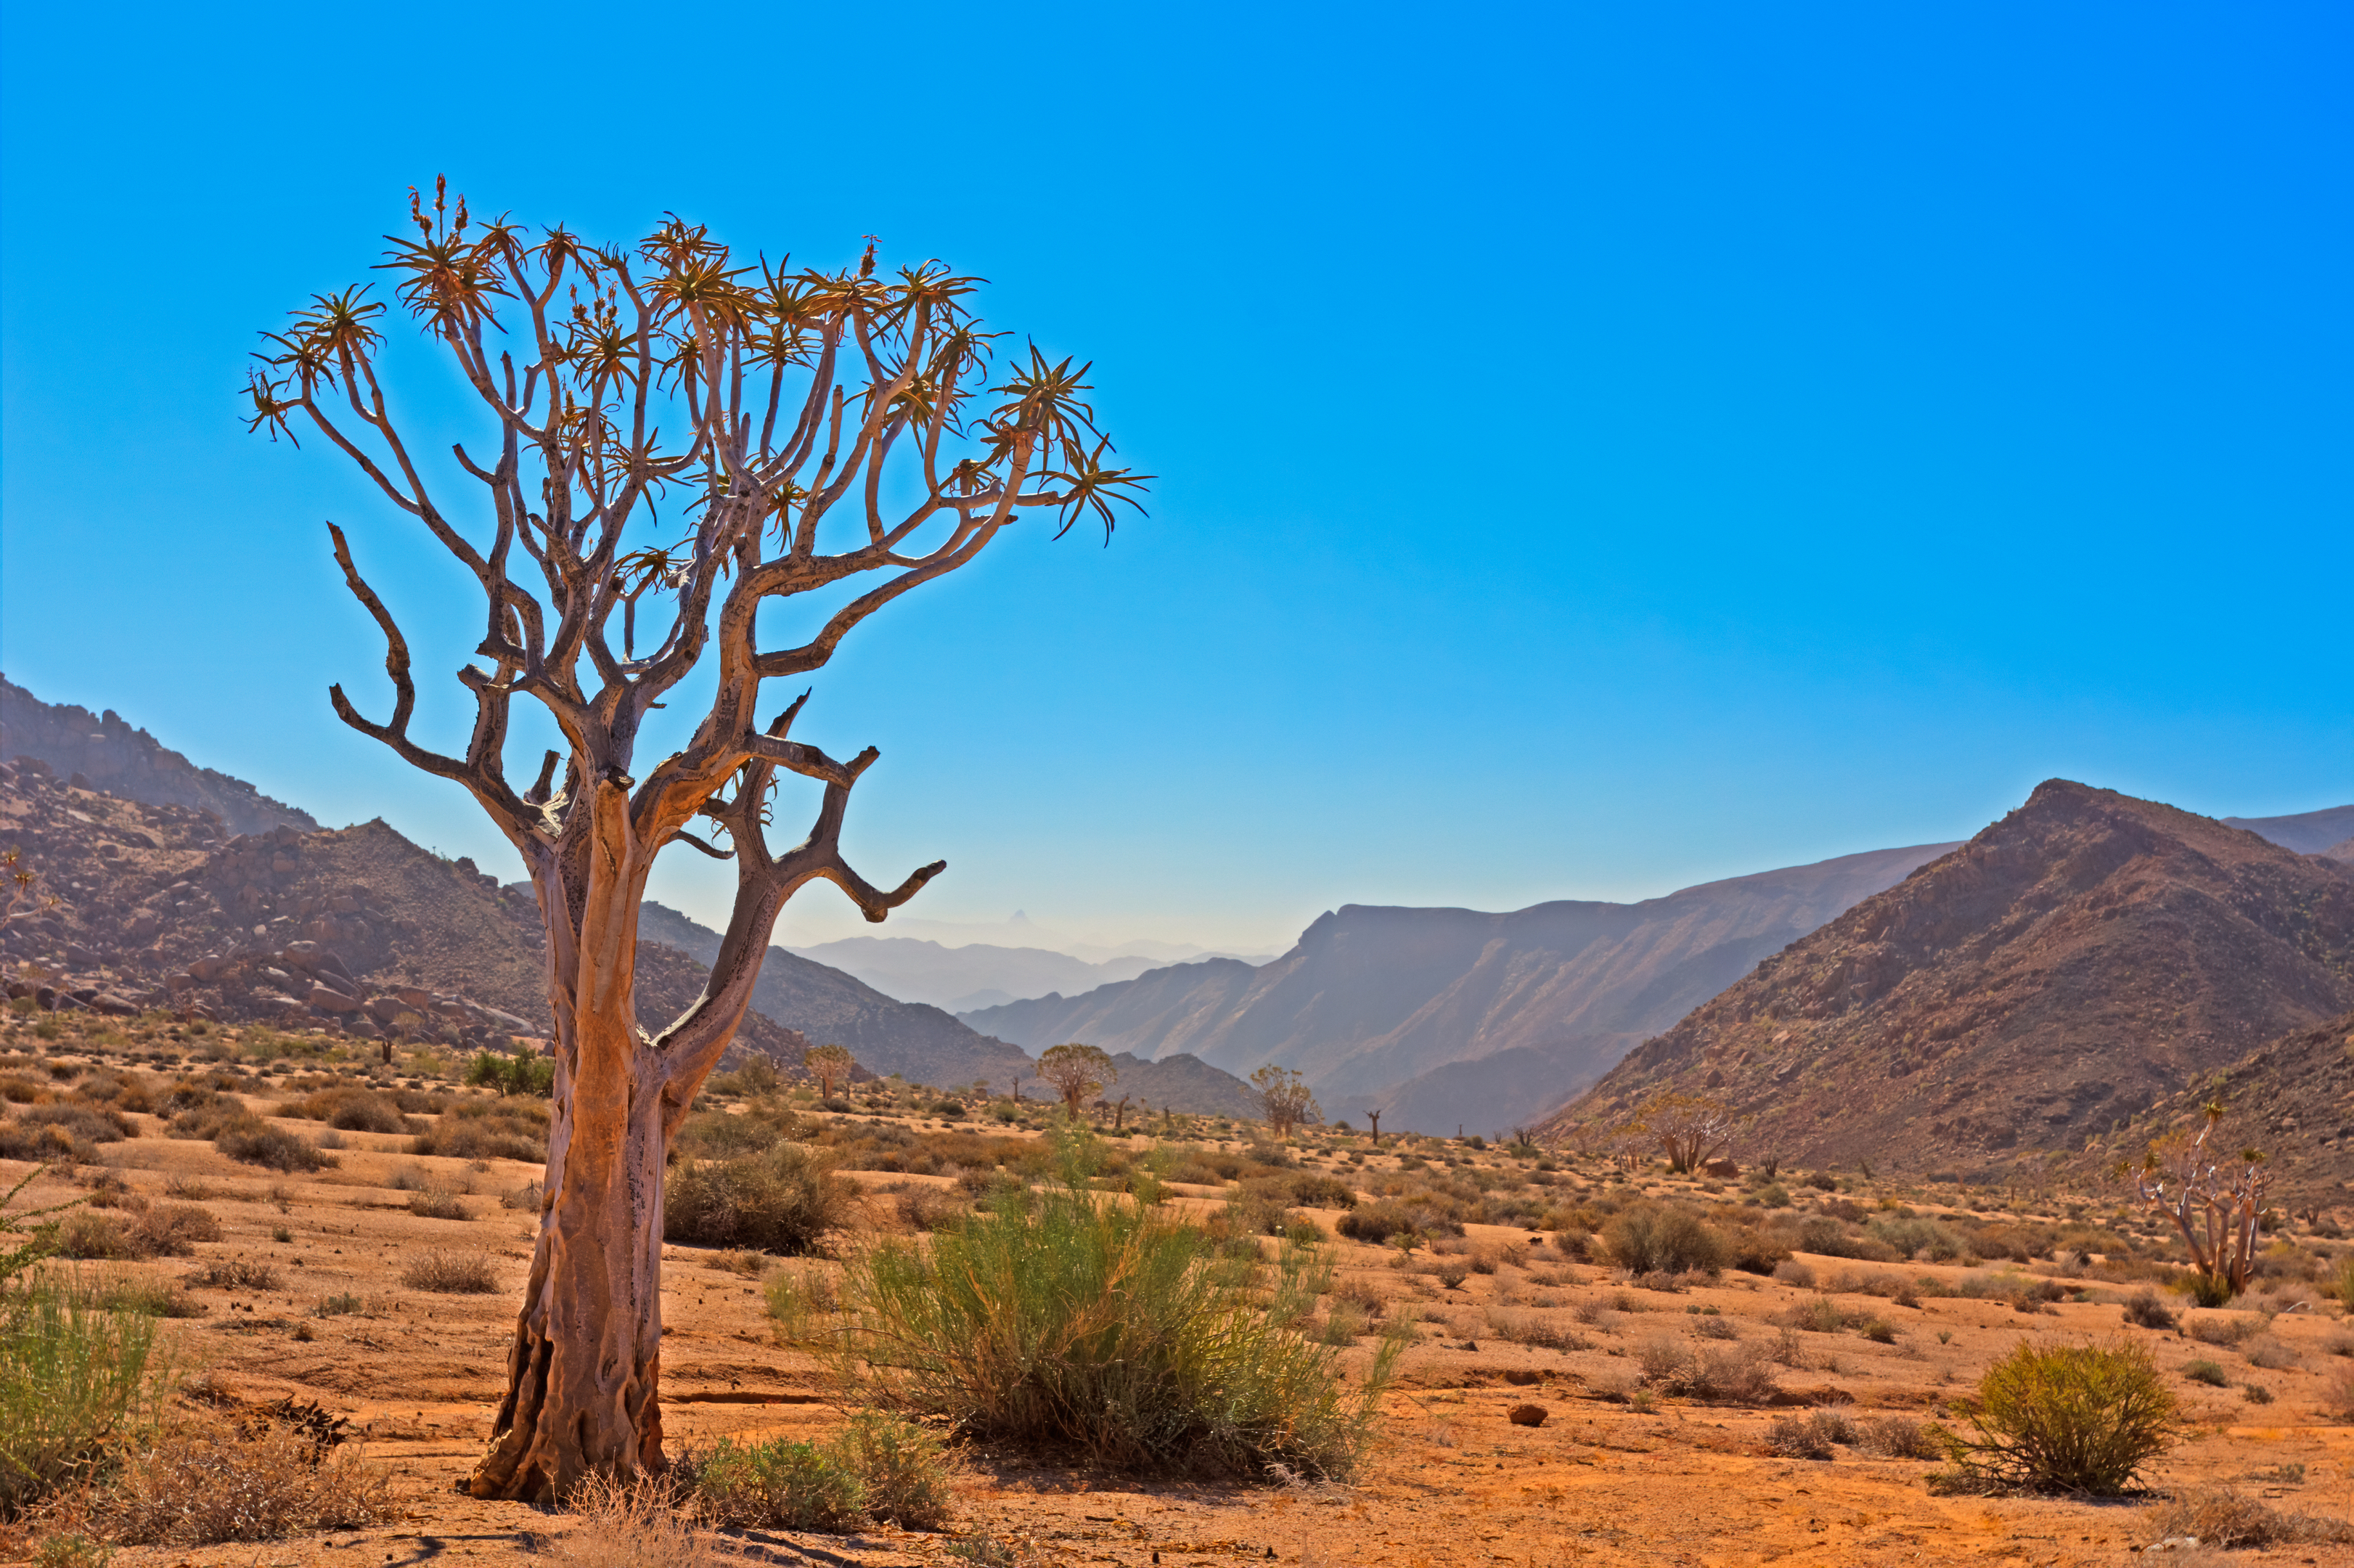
234 1274
1898 1437
451 1273
622 1524
1528 1329
2220 1516
1733 1374
200 1485
781 1200
2216 1329
349 1110
249 1140
165 1230
2072 1418
488 1129
1810 1437
435 1201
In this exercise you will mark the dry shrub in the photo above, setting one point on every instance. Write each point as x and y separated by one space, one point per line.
927 1208
435 1201
2213 1329
1362 1296
82 1123
168 1230
488 1129
623 1524
2220 1516
1424 1215
2270 1354
1731 1374
350 1109
451 1273
2145 1310
1809 1436
234 1274
2337 1395
206 1484
782 1201
1659 1238
1898 1437
1528 1329
2072 1418
251 1140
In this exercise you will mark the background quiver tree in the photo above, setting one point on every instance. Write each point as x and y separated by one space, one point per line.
1076 1072
672 447
829 1064
1284 1100
2215 1203
1690 1129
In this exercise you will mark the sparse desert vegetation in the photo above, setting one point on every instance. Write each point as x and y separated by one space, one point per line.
970 1287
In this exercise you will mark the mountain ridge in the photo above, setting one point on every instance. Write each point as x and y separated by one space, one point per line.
1373 996
2065 968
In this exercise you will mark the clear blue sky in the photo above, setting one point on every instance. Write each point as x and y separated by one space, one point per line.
1603 449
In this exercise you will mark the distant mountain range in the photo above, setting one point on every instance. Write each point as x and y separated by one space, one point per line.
2059 974
1382 1007
961 979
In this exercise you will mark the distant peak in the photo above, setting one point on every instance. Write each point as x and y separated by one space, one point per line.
1019 917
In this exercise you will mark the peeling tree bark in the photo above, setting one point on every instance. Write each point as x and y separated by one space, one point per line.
795 393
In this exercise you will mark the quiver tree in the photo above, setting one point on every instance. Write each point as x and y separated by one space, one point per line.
674 451
1076 1072
1284 1100
1690 1129
829 1064
2215 1202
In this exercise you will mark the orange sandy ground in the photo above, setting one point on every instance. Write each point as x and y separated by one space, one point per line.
1451 1480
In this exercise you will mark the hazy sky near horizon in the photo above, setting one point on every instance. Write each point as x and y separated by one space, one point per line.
1600 449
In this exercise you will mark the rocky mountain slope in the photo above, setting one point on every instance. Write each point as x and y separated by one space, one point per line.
2290 1097
1372 999
2069 967
359 928
108 754
921 1044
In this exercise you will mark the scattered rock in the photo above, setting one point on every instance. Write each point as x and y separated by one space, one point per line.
1528 1415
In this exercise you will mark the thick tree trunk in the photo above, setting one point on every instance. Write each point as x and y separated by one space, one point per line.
584 1372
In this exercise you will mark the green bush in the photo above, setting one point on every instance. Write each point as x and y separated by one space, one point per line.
2071 1418
74 1379
900 1467
781 1200
1657 1238
513 1075
1091 1325
778 1485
